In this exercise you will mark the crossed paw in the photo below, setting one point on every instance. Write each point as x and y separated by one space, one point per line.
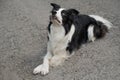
43 69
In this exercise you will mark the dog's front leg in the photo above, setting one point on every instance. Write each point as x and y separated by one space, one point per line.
44 67
59 57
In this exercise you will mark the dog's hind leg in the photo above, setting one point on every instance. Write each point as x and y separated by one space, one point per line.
91 36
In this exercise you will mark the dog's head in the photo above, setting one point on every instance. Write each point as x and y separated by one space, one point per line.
61 15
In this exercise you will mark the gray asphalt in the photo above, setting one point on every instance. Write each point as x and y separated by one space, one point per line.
23 39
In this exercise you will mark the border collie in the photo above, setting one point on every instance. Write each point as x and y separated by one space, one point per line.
67 31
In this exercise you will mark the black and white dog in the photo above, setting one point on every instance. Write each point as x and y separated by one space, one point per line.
67 31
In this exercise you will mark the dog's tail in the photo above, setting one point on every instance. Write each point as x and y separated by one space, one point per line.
102 20
100 29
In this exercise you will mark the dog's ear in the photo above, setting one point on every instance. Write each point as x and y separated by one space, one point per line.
73 11
72 14
56 6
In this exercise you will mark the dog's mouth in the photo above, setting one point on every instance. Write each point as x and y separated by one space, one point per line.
54 18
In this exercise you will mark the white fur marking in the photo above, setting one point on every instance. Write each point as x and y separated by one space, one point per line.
59 42
59 16
101 19
41 69
91 33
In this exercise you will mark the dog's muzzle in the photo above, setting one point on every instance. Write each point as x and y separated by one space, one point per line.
54 18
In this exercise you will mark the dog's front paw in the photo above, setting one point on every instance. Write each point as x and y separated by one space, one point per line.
43 69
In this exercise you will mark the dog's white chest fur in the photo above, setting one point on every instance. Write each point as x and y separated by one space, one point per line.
57 33
58 41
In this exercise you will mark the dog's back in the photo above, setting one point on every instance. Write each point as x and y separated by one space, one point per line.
88 28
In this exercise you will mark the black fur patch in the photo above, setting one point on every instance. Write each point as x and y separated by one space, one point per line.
100 30
55 6
49 27
67 20
82 22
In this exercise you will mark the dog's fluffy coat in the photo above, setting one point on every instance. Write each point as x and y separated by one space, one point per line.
67 31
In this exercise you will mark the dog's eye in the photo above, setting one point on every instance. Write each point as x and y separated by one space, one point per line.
63 14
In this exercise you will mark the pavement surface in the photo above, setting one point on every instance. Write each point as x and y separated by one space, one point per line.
23 40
